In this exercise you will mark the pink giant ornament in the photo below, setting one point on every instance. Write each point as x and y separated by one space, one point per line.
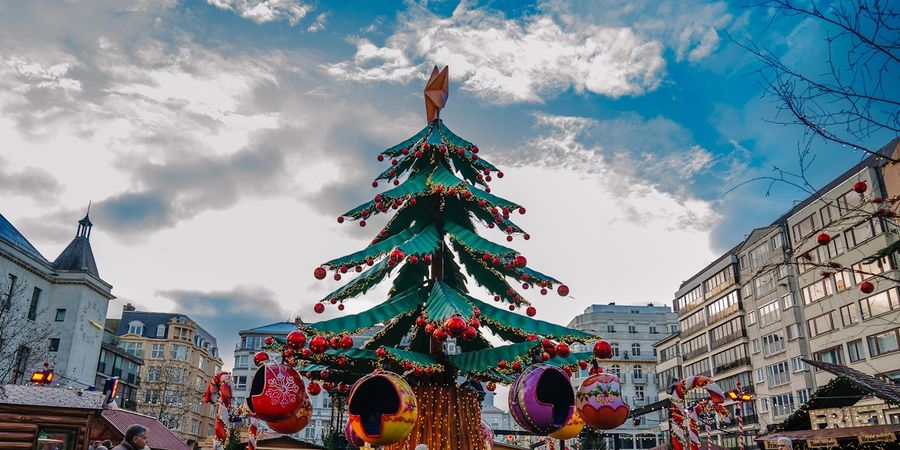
488 435
541 399
276 392
599 401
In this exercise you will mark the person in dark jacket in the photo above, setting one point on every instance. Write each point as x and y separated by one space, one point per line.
135 439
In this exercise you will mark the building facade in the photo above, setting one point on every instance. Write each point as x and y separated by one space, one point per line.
50 311
180 358
632 331
116 361
793 290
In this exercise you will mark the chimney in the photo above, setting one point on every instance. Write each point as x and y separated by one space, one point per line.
129 307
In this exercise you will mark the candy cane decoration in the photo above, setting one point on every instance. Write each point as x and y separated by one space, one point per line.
219 393
690 436
254 429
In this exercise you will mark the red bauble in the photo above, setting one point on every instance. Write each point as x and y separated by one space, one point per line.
823 239
427 257
420 321
335 343
328 385
324 374
269 340
563 351
474 322
381 353
866 287
491 386
333 301
407 365
320 273
318 345
397 255
288 353
520 261
521 210
314 388
517 366
543 291
296 339
306 353
603 350
370 261
568 371
319 308
374 184
526 236
499 174
340 219
418 371
455 326
362 223
344 388
439 334
512 307
509 239
342 361
469 333
346 342
341 307
531 311
582 364
380 158
259 358
429 329
545 356
860 187
429 370
501 364
562 290
531 337
337 277
413 259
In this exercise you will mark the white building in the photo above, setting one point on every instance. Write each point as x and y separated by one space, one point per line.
51 311
631 330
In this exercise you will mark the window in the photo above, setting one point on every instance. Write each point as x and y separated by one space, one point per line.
773 343
7 299
887 342
653 330
879 303
610 328
722 306
804 227
201 363
764 283
32 307
760 375
615 348
747 290
820 324
816 291
863 232
764 405
832 355
777 241
135 327
673 328
179 352
769 314
638 372
855 350
616 370
639 393
777 374
798 365
692 297
727 332
668 353
782 405
61 315
182 333
793 331
161 330
54 344
632 329
158 351
828 213
751 317
240 382
755 343
848 202
787 300
134 348
667 377
837 246
759 256
151 396
863 271
694 346
175 374
195 426
154 373
803 396
731 358
691 322
697 368
722 278
849 315
636 349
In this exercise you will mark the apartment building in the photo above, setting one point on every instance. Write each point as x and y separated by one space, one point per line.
117 361
632 330
180 358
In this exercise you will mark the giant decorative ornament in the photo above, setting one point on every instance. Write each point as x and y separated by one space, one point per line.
352 438
296 422
259 358
599 401
318 345
860 187
541 399
603 350
276 392
455 326
571 429
488 435
867 287
823 239
296 339
382 408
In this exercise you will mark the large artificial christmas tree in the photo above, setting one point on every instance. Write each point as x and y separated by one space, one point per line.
432 327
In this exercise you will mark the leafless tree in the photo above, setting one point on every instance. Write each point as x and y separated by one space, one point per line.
167 393
856 98
24 334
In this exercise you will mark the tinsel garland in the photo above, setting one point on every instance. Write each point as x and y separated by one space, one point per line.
362 283
449 418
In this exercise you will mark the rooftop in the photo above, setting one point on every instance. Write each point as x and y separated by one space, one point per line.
276 328
152 319
159 437
13 394
10 234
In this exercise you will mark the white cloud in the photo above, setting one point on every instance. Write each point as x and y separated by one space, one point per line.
264 11
319 23
508 60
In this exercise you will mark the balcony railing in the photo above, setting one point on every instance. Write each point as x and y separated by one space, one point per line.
723 313
639 379
695 353
718 289
733 336
745 361
693 329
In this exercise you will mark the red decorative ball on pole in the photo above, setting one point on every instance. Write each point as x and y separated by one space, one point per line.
455 326
860 187
320 273
469 333
867 287
381 352
319 308
269 340
562 290
314 389
531 311
520 261
823 239
346 342
562 350
318 345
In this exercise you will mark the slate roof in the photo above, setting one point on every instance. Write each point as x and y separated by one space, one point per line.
13 394
77 256
10 234
158 436
152 319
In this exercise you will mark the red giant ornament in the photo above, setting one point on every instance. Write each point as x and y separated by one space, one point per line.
318 344
296 422
296 339
259 358
860 187
866 287
319 273
382 408
603 350
455 326
276 392
823 239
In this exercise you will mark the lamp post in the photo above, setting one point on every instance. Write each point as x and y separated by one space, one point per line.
740 396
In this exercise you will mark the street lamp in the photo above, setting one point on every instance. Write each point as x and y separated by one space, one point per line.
741 396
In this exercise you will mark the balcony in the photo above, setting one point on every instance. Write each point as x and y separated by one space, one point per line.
639 379
745 361
691 330
695 353
718 289
724 313
716 343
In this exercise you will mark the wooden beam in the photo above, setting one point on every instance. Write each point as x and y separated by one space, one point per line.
13 436
18 427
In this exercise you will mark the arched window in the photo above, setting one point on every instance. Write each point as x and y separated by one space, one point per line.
638 372
136 327
635 349
160 330
615 370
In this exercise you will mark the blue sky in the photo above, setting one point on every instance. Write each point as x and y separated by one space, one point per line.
218 140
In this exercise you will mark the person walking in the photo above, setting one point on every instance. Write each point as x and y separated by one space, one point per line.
135 439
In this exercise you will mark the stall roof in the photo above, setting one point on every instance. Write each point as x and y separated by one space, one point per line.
884 390
835 433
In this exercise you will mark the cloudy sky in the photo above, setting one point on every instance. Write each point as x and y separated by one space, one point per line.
219 140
